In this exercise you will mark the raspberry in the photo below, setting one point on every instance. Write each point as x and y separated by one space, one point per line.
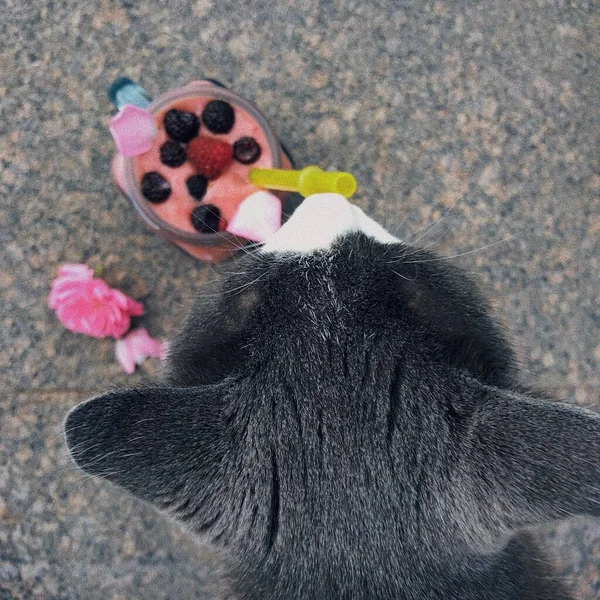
218 116
196 185
206 218
246 150
172 154
155 187
210 156
181 126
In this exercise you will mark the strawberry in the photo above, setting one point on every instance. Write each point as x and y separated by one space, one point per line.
209 156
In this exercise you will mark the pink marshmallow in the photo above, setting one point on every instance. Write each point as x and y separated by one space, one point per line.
133 130
257 218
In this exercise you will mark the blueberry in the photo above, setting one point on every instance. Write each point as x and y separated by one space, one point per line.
181 126
196 185
246 150
172 154
155 187
205 218
218 116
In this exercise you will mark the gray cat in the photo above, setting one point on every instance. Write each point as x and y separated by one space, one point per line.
344 420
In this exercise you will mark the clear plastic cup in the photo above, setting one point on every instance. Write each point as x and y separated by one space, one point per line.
209 247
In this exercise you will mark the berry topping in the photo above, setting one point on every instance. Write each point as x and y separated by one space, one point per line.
218 116
246 150
155 187
210 156
205 218
172 154
196 185
181 126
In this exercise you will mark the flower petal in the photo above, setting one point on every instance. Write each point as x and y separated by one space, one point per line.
88 305
133 130
75 271
124 356
136 346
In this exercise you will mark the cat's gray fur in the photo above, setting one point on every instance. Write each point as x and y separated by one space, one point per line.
350 424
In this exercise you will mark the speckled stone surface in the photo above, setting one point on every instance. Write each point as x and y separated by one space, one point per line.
65 535
481 114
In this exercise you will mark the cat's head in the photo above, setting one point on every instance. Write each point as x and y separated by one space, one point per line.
338 368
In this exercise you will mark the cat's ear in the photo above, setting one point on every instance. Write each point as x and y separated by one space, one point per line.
528 460
152 441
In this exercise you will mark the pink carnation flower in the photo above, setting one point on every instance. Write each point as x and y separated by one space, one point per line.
86 304
135 347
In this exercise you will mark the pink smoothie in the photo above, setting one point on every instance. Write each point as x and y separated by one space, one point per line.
225 192
159 190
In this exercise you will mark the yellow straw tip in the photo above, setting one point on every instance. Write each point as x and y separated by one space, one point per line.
310 180
346 185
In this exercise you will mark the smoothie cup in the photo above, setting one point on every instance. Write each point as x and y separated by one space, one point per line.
161 180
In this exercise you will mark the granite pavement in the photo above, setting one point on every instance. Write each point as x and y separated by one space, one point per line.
472 128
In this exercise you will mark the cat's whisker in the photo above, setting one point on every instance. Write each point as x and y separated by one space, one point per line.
241 247
396 229
410 251
407 278
241 288
416 250
225 292
431 226
77 447
440 258
100 458
62 433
